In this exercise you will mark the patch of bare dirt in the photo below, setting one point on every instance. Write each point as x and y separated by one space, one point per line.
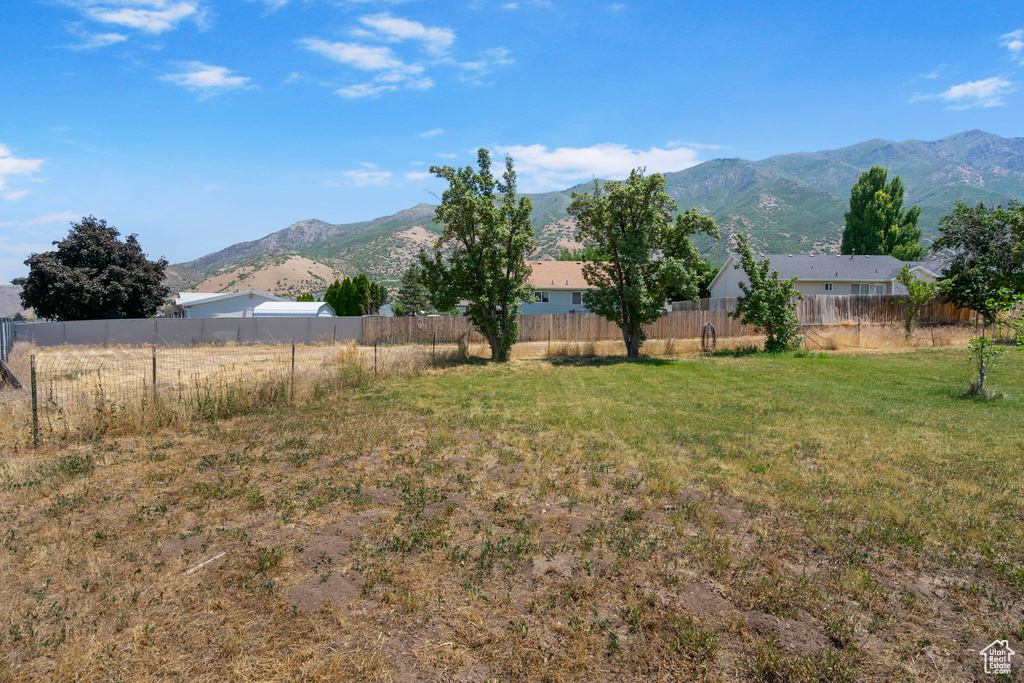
337 588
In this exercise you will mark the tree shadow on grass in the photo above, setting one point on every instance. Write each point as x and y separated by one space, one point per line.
599 361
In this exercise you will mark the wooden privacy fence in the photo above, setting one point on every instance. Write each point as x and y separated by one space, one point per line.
829 309
445 329
886 309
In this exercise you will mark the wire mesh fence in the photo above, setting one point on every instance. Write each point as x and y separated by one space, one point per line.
78 392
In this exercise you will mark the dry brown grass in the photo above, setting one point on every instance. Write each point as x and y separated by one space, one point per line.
528 523
90 391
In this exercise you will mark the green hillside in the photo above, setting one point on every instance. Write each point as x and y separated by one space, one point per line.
792 203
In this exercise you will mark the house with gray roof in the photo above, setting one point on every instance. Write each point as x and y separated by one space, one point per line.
828 274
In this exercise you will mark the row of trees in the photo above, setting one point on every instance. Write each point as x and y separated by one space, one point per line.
354 296
637 252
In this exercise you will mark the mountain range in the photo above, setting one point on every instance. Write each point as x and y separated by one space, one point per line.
793 203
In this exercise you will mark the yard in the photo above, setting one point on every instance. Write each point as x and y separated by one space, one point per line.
814 518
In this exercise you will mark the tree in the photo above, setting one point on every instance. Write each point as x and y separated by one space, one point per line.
375 302
988 254
93 275
18 317
920 293
304 297
587 253
347 298
876 222
631 222
362 300
331 297
481 255
413 294
985 350
767 302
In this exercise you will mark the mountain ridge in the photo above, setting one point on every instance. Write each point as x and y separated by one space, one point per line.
788 203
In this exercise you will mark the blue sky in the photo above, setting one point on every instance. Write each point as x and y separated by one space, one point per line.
200 123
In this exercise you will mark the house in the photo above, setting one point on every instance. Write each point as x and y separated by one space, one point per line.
828 274
293 309
218 304
558 287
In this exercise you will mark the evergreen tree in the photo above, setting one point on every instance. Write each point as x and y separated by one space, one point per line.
361 297
332 297
877 223
347 298
413 294
374 298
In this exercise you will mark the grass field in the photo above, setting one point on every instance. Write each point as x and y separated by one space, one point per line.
825 518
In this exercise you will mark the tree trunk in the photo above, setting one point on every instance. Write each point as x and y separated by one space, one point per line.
499 353
631 337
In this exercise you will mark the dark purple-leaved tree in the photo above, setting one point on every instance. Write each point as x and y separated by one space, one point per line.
93 275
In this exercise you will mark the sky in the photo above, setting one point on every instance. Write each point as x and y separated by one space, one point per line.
200 123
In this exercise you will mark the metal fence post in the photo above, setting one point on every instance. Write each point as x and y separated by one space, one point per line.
35 404
433 350
374 357
293 370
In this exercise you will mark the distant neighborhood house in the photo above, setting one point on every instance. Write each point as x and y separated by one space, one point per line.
828 274
558 287
218 304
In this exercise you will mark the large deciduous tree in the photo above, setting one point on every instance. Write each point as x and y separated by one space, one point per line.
988 255
480 257
767 301
648 252
93 275
877 223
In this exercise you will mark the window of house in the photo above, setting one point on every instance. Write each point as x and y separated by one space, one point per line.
860 289
542 297
879 289
577 298
828 286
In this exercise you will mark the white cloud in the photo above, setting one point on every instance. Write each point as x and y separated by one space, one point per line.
11 165
369 174
45 219
436 40
544 169
417 175
208 79
510 5
1014 42
149 16
93 41
616 7
363 57
974 94
451 155
432 133
53 218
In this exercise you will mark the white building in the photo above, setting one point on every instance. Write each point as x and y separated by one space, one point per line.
218 304
293 309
